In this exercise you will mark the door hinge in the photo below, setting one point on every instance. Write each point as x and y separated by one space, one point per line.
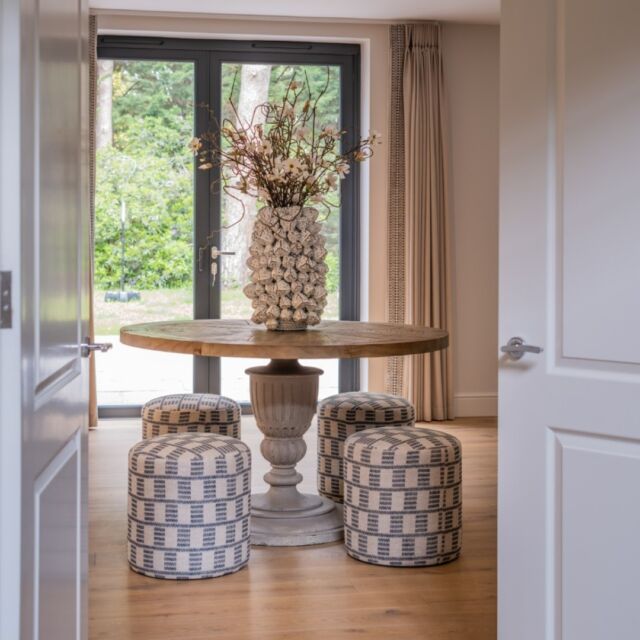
6 311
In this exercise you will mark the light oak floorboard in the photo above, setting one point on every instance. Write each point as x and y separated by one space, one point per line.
295 593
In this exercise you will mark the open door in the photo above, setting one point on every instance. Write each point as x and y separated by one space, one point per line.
569 441
44 114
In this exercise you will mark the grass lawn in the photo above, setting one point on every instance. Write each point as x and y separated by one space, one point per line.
173 304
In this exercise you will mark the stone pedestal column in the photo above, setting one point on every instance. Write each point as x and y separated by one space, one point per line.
284 395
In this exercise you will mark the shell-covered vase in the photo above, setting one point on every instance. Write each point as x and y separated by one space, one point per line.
288 268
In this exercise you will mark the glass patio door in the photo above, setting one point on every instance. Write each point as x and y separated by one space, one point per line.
162 230
144 223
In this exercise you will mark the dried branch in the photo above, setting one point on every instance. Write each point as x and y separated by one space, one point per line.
287 160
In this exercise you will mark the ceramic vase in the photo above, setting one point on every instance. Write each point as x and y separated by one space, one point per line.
288 269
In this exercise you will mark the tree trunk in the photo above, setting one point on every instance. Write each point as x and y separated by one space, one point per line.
254 90
104 104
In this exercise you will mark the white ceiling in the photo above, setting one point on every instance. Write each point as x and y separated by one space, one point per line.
487 11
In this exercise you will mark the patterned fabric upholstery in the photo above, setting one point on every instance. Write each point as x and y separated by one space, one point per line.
191 413
403 496
341 415
188 507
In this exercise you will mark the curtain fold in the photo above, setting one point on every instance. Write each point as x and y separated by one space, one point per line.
93 83
419 262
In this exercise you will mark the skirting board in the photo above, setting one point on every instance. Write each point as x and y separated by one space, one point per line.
467 405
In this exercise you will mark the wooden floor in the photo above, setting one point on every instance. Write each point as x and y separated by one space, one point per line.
299 593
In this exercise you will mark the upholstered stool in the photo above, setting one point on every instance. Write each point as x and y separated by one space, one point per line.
189 501
345 413
403 498
191 413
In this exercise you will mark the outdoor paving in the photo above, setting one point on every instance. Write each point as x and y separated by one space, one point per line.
126 375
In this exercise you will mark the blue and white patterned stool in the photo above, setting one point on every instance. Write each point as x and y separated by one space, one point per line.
403 496
189 506
191 413
345 413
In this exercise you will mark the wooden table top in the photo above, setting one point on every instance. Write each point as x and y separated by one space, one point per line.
243 339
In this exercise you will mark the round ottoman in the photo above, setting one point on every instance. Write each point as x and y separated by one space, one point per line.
188 508
345 413
403 496
191 413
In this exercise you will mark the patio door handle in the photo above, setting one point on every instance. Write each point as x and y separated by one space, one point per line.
215 254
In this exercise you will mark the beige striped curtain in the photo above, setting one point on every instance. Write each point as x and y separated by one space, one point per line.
419 269
93 83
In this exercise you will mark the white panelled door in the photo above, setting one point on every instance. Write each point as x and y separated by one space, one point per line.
53 314
569 477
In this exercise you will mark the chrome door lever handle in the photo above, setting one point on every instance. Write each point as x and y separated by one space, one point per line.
516 348
87 347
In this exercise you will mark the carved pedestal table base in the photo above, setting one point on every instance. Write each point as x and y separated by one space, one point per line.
284 395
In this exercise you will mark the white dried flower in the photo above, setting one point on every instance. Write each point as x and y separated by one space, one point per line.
292 166
265 147
330 131
343 169
332 180
301 133
195 144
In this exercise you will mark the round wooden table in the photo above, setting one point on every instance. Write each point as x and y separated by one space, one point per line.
284 395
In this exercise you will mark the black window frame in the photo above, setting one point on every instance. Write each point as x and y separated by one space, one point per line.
208 57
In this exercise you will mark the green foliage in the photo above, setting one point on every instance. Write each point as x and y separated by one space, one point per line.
149 168
153 107
158 227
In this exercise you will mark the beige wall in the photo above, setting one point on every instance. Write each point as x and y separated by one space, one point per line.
471 67
472 73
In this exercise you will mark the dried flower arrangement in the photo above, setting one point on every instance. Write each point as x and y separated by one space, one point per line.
292 164
290 159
